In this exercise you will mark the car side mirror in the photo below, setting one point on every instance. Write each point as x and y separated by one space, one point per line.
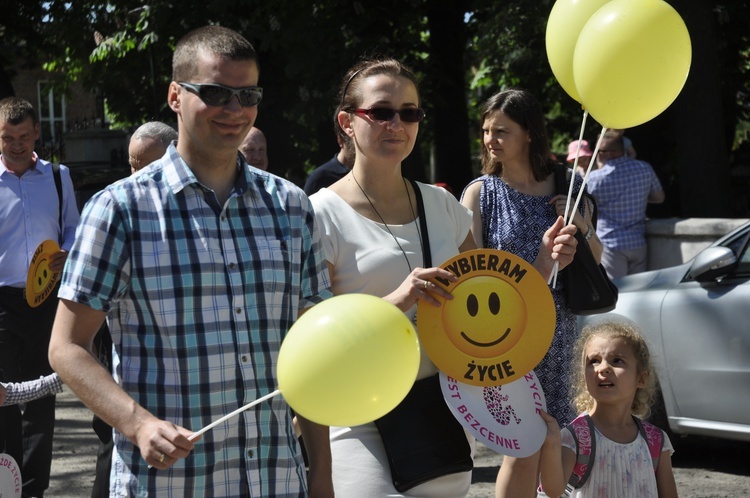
712 263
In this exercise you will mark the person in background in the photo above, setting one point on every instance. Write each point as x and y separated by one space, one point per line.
626 143
332 171
16 393
584 156
255 149
201 264
30 213
614 383
148 143
513 203
623 188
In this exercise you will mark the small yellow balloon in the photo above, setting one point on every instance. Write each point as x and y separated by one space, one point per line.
348 360
631 61
566 20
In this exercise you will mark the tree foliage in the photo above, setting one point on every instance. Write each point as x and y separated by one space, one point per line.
463 50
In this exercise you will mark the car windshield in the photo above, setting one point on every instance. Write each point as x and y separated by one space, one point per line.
739 245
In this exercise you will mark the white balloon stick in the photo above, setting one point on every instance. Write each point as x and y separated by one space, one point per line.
566 213
213 424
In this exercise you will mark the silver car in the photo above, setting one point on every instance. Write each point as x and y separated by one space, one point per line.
696 317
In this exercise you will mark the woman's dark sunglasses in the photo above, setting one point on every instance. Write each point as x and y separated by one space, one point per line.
407 115
220 95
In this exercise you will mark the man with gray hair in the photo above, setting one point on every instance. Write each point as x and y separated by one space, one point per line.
623 188
148 143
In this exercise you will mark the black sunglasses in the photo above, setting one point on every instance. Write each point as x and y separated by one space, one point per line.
220 95
407 115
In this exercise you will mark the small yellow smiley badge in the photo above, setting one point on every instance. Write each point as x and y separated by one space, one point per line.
41 281
499 324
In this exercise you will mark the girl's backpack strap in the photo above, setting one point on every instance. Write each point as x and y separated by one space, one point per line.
655 438
582 429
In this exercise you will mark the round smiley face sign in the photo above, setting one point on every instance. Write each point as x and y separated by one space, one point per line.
10 477
505 418
41 280
499 324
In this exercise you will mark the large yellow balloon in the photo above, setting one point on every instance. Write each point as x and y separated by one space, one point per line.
631 61
565 22
348 360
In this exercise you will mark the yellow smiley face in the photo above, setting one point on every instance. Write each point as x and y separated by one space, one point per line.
499 324
485 318
40 279
42 275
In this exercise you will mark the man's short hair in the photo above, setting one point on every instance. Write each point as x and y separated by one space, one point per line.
15 110
217 40
614 138
156 130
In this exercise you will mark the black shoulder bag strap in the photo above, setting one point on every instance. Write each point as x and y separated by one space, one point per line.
426 253
414 454
58 186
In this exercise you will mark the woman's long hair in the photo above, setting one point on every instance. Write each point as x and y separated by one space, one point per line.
524 109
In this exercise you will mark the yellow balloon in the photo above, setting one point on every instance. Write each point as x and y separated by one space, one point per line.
348 360
566 20
631 61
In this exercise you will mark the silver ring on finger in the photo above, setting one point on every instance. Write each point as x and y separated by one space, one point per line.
426 283
162 457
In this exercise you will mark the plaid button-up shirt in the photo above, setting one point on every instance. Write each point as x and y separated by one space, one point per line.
622 188
199 298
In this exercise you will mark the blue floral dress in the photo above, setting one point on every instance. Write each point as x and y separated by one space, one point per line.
515 222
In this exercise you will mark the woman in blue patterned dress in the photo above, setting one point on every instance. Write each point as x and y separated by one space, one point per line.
514 202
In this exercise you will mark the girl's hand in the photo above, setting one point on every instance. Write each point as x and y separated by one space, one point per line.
553 438
553 464
420 285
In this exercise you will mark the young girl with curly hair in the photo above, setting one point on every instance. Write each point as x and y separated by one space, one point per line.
614 385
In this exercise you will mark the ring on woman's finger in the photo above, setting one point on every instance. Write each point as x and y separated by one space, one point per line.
162 457
425 284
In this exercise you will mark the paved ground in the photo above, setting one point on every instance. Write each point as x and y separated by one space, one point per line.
704 468
74 449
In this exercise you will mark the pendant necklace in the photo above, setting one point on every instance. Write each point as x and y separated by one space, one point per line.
411 207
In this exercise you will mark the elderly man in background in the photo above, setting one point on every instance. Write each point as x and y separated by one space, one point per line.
623 188
254 149
148 143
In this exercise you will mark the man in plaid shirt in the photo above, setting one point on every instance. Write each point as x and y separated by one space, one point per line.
623 188
200 265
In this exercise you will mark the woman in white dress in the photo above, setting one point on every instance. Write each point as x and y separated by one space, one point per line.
371 233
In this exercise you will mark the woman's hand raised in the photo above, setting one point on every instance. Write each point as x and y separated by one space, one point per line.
558 245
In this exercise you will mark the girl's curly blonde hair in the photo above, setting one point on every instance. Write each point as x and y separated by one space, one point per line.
629 333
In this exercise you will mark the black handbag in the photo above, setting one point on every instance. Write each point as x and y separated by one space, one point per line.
588 289
422 438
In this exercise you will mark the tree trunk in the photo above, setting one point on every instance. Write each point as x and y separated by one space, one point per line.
448 111
701 154
6 87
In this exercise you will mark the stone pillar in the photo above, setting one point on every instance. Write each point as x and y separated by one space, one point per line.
673 241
